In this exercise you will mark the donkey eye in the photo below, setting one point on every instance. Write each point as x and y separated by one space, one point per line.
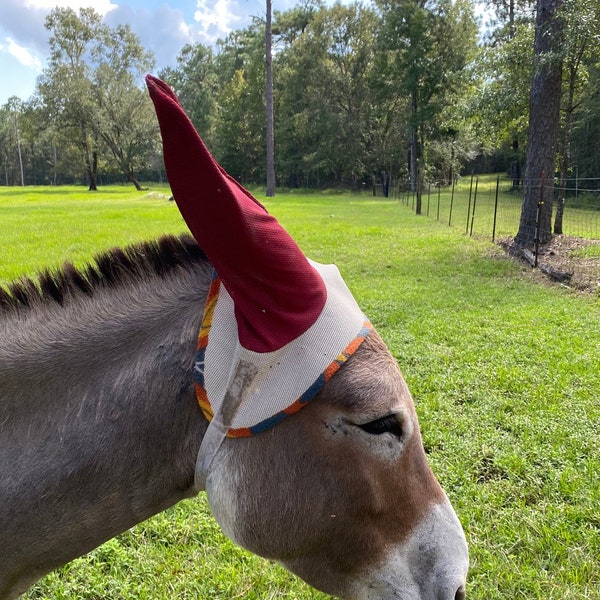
387 424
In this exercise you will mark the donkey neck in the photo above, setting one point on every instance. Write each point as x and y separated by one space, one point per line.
99 427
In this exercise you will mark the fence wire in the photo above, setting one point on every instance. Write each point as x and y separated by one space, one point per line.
488 206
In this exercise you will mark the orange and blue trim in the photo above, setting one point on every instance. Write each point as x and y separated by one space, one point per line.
207 318
311 392
306 397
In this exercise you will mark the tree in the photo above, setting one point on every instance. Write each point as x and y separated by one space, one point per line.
65 84
13 111
427 46
586 136
196 82
7 146
240 104
544 115
582 44
90 93
326 124
223 93
501 102
123 117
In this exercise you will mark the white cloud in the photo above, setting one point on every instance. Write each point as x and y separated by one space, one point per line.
163 26
22 54
162 30
216 20
102 7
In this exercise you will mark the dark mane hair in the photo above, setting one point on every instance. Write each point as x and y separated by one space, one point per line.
111 268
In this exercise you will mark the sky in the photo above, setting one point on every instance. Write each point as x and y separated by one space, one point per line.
163 26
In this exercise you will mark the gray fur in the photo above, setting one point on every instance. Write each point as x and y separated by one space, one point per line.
100 429
99 426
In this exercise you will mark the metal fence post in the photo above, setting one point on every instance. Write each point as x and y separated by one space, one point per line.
469 205
428 196
474 202
451 204
538 219
495 209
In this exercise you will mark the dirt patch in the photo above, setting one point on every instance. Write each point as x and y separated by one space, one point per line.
564 261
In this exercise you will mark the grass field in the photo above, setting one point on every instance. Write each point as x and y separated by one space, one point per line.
504 369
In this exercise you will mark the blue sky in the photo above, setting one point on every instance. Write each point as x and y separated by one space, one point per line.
163 26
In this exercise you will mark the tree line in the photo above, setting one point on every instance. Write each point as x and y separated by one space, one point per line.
412 90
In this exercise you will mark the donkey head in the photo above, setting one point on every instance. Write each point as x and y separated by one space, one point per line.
340 493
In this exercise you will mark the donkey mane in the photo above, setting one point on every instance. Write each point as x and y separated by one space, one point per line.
108 269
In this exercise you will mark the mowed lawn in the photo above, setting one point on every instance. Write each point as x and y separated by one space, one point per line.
504 369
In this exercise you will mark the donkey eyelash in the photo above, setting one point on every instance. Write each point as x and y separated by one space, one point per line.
387 424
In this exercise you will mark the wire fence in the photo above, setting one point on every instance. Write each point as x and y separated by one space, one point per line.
490 206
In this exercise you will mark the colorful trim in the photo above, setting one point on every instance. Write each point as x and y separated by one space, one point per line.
306 397
311 392
207 317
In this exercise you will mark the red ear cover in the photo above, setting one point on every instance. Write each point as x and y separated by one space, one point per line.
276 292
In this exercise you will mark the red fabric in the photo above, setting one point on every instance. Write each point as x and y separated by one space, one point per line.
277 294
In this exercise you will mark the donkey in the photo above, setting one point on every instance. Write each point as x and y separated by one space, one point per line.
226 362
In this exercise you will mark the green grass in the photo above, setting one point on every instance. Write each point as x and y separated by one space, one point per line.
45 226
505 373
588 252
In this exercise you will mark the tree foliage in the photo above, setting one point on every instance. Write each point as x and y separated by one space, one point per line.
90 91
65 85
123 118
426 47
407 89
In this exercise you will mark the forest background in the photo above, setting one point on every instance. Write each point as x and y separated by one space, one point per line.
362 92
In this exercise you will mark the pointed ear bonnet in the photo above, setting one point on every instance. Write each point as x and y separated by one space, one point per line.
276 325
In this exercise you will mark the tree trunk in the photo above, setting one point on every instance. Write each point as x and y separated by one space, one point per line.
412 160
565 162
385 183
19 151
54 164
420 170
543 125
414 142
566 137
131 177
511 19
269 102
91 162
93 172
515 169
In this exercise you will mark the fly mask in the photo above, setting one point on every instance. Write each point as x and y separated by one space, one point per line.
276 325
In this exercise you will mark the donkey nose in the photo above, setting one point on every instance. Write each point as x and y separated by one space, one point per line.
461 594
